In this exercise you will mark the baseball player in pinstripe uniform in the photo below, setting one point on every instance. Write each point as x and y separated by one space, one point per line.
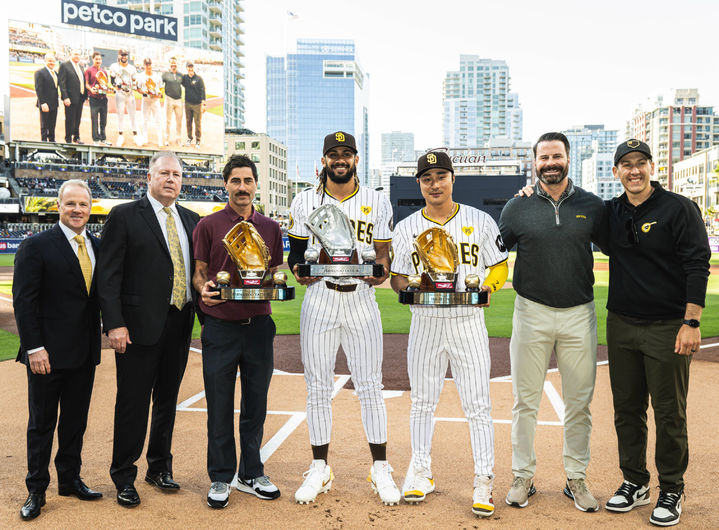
343 311
455 334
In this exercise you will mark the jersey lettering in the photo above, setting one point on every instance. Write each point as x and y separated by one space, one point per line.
469 254
363 231
415 262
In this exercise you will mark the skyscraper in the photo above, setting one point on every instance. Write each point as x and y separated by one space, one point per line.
397 146
477 104
317 90
674 131
209 25
584 141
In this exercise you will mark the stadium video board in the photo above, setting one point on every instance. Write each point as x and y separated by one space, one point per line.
139 99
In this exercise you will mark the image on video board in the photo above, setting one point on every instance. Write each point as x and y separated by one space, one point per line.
139 93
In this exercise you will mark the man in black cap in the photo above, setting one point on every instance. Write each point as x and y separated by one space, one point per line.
658 269
343 312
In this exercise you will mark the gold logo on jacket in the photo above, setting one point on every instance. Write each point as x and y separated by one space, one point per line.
431 158
365 209
468 230
646 227
340 137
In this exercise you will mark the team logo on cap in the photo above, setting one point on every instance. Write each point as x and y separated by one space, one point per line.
431 158
468 230
633 143
340 137
365 209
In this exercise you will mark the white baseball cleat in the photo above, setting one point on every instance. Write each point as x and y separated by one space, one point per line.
380 478
482 501
318 479
417 484
120 140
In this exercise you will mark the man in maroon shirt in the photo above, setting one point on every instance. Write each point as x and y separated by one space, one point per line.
235 335
98 99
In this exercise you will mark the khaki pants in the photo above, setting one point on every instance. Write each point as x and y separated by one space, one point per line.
538 329
173 107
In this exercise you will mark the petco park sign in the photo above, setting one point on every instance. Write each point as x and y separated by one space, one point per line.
117 19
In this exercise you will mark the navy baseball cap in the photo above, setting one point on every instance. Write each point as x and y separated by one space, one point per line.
631 146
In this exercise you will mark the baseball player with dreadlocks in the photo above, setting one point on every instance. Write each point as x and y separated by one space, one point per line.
343 312
455 334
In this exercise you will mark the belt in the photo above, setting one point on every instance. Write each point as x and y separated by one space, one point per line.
341 287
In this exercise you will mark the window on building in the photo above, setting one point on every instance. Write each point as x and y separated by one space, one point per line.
255 145
239 146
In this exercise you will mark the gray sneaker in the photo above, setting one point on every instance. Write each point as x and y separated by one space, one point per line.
219 495
520 491
576 489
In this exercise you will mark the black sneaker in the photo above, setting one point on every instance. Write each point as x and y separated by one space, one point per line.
219 495
628 496
668 509
261 487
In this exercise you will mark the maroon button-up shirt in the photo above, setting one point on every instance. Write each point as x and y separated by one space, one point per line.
207 239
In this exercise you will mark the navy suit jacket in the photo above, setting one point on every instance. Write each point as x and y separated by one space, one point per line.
52 306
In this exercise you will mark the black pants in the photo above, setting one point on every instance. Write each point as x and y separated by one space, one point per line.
73 115
142 372
71 390
98 118
227 346
642 363
47 125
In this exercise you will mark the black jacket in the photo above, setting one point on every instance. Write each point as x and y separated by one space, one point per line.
659 256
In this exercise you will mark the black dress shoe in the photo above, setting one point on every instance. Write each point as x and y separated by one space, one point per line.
31 508
162 480
79 489
127 496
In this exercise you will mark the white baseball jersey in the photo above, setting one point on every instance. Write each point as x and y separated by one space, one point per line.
124 76
479 246
460 338
369 212
142 77
329 318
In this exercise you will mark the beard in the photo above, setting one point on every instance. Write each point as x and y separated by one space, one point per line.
344 179
553 179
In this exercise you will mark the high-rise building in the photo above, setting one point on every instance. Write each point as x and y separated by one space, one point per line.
697 177
585 140
270 157
209 25
397 146
477 104
317 90
597 175
674 131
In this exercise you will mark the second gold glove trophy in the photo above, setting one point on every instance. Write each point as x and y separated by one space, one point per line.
338 256
437 285
248 250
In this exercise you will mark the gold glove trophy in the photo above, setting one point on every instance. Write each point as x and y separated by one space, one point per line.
248 250
437 285
338 256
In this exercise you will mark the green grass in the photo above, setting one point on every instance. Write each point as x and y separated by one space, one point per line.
9 344
7 260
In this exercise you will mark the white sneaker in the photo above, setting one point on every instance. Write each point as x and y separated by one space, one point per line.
120 140
261 487
318 479
668 510
219 495
380 477
417 484
628 496
482 502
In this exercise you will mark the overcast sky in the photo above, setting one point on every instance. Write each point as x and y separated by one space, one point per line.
571 61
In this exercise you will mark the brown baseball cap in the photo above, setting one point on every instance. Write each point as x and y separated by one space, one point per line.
433 160
339 139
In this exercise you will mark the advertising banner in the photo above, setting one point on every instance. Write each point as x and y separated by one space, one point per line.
103 206
140 87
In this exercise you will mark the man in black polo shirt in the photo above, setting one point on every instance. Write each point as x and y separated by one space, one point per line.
194 103
173 101
235 335
658 269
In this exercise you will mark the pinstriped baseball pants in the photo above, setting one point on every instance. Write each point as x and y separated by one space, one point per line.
463 342
329 319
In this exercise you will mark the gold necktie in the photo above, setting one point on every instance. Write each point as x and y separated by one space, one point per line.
84 259
179 282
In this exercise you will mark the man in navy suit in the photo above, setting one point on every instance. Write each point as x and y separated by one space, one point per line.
148 312
58 319
46 91
71 79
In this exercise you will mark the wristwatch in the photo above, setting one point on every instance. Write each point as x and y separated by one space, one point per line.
692 323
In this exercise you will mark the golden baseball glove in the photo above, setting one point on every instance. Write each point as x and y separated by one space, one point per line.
437 250
246 247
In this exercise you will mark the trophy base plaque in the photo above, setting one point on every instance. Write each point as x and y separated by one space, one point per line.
439 298
340 270
259 294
